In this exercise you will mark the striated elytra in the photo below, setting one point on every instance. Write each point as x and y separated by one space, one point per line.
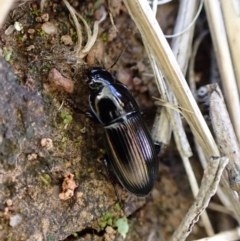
130 149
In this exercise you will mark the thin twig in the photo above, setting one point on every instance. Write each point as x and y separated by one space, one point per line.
209 184
225 136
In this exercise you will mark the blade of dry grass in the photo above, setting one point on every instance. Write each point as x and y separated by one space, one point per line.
218 33
5 6
165 60
219 208
180 44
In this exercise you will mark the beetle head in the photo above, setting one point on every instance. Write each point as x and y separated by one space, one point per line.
98 77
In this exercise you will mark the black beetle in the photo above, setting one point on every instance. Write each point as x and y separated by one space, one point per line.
130 149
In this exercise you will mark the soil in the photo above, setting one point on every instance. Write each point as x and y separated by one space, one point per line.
43 141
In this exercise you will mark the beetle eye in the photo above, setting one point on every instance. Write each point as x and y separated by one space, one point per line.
95 85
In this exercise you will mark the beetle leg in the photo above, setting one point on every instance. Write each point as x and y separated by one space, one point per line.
73 106
88 113
157 147
107 165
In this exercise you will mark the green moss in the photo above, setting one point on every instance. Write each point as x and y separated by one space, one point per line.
74 36
41 32
50 238
104 37
67 118
106 220
7 54
19 38
117 207
122 226
97 4
76 174
36 12
46 179
75 235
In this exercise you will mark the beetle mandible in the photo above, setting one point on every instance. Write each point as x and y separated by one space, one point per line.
130 149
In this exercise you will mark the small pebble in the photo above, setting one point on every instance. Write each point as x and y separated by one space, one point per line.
54 6
15 220
24 37
31 30
9 30
9 202
45 17
47 143
67 40
38 19
18 26
57 81
32 157
49 28
136 81
112 34
31 47
34 6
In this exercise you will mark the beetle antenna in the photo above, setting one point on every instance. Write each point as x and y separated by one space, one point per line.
120 55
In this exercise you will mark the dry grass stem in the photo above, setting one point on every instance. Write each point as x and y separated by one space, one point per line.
180 44
191 79
225 136
209 184
42 3
161 118
151 32
219 208
81 52
161 130
167 105
5 6
231 235
231 13
111 16
180 47
77 25
218 33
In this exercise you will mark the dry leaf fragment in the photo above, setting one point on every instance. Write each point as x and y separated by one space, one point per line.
68 186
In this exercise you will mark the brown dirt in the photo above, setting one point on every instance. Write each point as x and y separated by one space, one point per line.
31 175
